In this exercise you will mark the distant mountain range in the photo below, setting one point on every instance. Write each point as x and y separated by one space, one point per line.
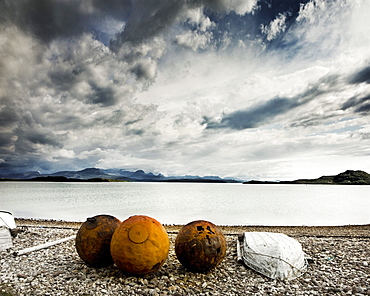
348 177
110 175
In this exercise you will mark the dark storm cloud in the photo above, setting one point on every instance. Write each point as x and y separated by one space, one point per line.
119 9
30 133
15 164
7 114
135 132
8 121
365 108
147 20
45 19
63 80
102 95
267 111
24 146
361 76
42 138
24 135
142 71
363 105
311 120
107 82
50 19
5 139
256 116
133 121
360 104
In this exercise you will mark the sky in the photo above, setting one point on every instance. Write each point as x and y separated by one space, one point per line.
248 89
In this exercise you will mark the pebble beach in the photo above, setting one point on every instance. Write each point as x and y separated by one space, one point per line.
339 266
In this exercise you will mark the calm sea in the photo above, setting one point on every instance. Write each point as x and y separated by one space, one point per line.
180 203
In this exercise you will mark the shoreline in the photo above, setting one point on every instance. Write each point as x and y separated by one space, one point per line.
340 266
318 231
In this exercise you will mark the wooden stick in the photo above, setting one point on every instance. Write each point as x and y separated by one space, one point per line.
238 252
43 246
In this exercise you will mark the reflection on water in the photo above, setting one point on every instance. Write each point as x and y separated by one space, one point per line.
180 203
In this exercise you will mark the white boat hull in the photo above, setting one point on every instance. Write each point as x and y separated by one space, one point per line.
7 224
7 220
274 255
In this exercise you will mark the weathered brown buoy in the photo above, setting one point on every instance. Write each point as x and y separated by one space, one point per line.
200 246
93 240
140 245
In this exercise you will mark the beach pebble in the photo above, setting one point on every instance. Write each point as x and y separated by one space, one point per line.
58 270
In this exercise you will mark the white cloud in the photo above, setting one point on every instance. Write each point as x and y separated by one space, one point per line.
200 37
196 17
142 104
330 29
275 27
62 154
309 11
111 26
193 40
231 85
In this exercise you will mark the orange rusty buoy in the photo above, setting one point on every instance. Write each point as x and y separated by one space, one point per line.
93 240
140 245
200 246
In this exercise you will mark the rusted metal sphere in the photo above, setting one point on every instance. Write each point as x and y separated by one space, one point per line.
200 246
93 240
140 245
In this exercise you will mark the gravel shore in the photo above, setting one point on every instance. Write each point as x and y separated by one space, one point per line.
341 258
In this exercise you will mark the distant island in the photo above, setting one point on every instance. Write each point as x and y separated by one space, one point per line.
348 177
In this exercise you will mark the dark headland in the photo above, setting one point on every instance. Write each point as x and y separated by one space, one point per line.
348 177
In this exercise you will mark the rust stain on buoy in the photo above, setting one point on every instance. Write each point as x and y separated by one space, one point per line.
200 246
93 240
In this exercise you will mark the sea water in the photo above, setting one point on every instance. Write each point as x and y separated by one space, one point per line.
180 203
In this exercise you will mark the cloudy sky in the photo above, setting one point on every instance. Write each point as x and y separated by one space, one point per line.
254 89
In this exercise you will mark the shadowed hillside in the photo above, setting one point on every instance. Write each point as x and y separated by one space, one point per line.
348 177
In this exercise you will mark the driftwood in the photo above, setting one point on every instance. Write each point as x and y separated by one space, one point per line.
43 246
